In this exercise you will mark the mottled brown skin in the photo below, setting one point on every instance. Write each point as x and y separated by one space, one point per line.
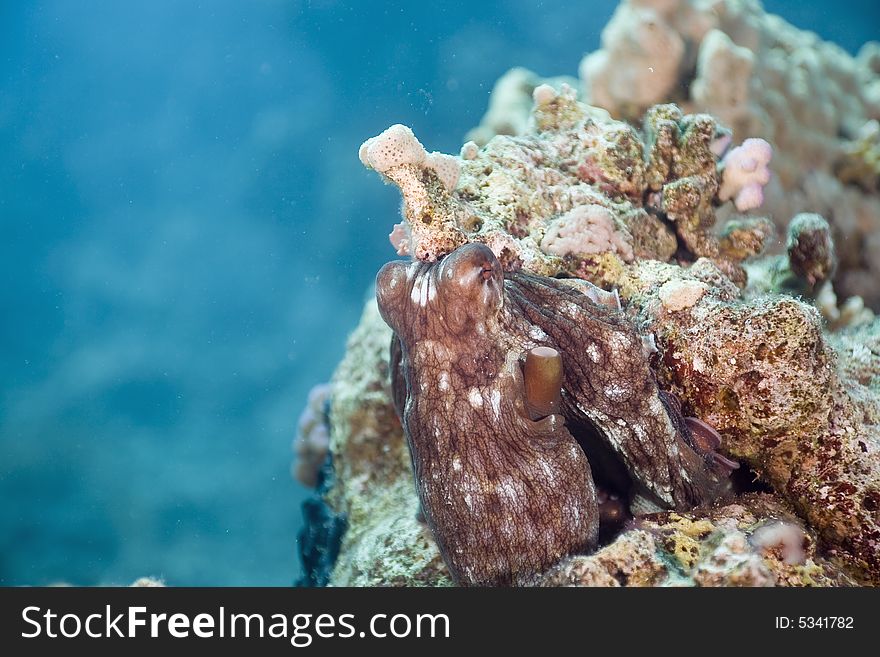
507 496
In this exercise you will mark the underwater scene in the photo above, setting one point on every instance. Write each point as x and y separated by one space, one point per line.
425 294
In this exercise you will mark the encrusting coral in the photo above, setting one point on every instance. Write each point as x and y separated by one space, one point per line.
579 194
755 542
764 375
581 379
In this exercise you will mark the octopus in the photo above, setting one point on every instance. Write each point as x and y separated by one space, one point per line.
524 400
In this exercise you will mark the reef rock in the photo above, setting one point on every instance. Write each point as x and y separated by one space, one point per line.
760 77
757 541
577 195
667 338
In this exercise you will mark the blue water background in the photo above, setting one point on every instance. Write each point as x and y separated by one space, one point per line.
187 237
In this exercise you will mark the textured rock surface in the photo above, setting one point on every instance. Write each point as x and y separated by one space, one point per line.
576 195
384 543
755 346
788 405
728 546
760 77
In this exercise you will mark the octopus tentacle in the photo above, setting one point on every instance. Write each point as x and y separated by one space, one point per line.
489 412
542 380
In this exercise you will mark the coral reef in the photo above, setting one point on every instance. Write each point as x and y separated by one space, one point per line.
586 229
756 542
810 249
588 376
751 389
765 376
805 270
148 582
510 104
735 544
763 78
577 195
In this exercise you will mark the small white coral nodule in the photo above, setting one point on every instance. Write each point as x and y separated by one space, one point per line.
680 294
786 537
544 94
469 150
745 174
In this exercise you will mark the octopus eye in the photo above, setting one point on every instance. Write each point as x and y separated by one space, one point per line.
470 285
470 264
391 291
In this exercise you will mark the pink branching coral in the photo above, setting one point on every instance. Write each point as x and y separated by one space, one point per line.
400 238
745 174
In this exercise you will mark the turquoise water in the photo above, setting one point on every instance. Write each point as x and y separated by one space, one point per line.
187 238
